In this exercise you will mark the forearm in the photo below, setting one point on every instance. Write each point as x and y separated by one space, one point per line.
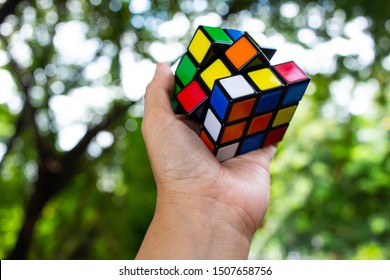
196 228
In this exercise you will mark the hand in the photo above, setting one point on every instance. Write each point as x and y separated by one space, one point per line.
205 209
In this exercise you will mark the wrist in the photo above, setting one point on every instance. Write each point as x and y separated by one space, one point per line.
195 227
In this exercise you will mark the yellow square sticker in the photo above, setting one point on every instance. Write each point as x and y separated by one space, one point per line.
264 79
216 70
199 46
284 116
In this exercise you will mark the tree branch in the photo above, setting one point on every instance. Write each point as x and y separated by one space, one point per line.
117 111
17 74
8 8
19 124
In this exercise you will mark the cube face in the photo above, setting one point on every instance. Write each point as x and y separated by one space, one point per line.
226 84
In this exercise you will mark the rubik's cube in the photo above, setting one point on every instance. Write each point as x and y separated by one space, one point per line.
225 83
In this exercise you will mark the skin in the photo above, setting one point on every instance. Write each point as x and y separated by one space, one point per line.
205 209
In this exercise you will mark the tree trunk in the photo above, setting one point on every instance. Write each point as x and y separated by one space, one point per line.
33 211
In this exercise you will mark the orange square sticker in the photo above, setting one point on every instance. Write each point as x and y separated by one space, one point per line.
241 109
241 52
259 123
233 132
206 140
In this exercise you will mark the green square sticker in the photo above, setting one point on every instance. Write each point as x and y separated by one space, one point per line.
174 104
177 89
186 70
218 35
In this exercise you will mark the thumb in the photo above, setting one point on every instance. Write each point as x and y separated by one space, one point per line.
158 92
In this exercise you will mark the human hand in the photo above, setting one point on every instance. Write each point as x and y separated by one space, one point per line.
205 209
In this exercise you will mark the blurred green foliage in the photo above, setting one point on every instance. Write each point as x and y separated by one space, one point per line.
330 178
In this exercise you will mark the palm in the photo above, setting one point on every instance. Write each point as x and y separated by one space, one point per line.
247 183
241 183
